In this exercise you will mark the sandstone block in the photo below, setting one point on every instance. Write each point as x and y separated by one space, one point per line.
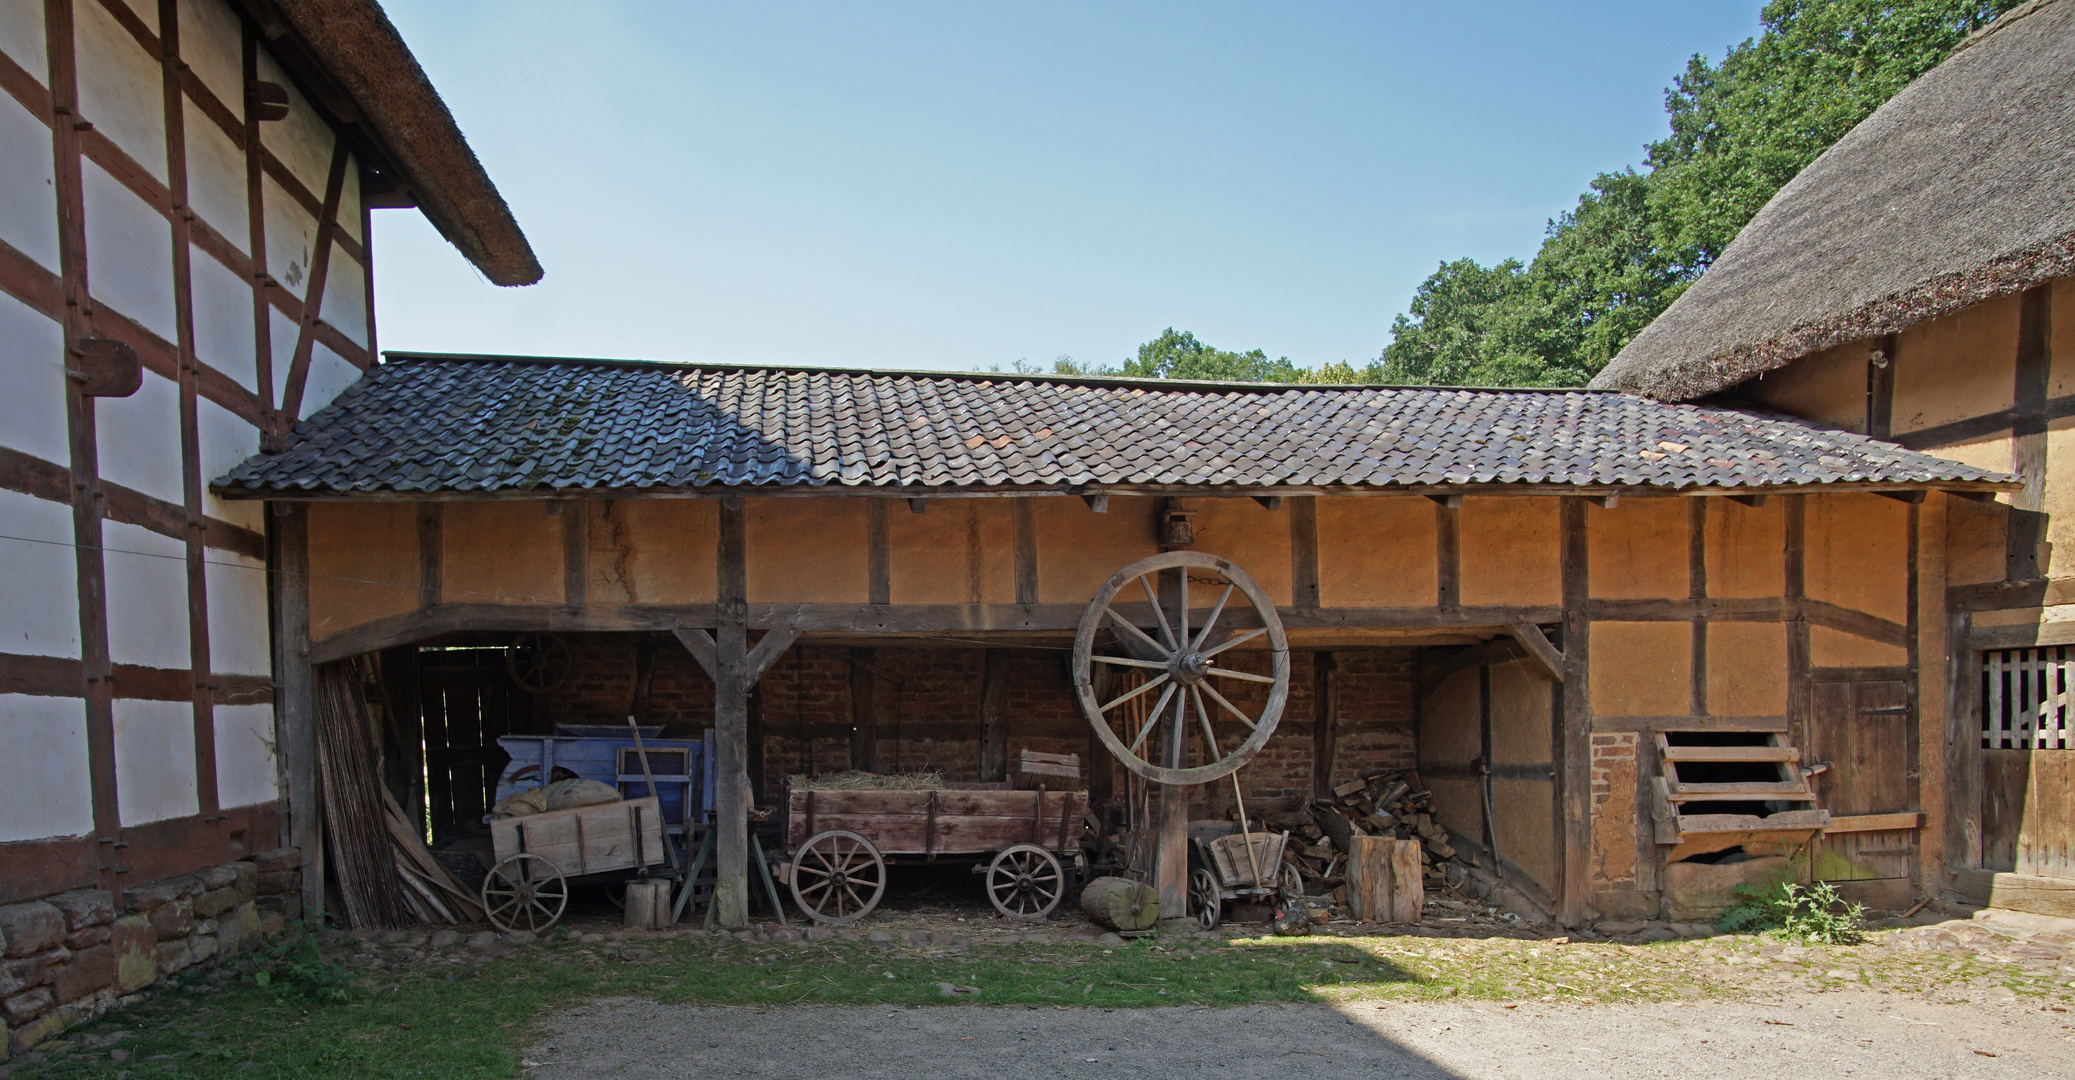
31 928
136 954
271 923
90 970
173 920
247 882
215 902
238 930
287 906
28 1005
202 946
444 938
276 882
154 894
24 1038
1701 892
86 938
19 975
216 877
85 907
175 956
285 858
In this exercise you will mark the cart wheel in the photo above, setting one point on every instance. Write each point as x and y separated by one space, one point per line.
1203 896
525 892
1025 882
1290 883
837 877
538 663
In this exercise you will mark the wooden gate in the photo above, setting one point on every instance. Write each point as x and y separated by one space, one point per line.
468 701
2028 761
1865 731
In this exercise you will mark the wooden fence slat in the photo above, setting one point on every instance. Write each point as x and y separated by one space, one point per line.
1992 720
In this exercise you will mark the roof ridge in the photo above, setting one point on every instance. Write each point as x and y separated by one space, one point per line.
1137 381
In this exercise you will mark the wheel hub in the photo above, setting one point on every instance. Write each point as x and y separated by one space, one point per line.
1189 667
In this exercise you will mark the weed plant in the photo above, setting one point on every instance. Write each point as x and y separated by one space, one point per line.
1811 914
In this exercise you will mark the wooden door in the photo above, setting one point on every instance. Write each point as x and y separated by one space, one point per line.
2028 761
468 701
1864 730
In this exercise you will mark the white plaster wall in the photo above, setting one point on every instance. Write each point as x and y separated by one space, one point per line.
345 296
284 333
32 368
300 140
120 89
349 199
245 769
223 320
329 374
147 12
139 438
213 46
154 760
147 597
46 787
216 179
129 251
21 37
240 512
291 235
225 440
39 594
238 642
28 199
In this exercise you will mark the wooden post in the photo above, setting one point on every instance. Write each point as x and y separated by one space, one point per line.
864 712
1386 880
1573 736
1325 709
731 725
1172 876
994 717
294 714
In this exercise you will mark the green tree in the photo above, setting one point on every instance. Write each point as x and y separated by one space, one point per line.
1740 129
1176 354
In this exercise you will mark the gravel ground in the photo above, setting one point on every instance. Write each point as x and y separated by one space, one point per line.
1833 1034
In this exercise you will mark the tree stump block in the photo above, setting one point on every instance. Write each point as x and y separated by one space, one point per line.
1385 879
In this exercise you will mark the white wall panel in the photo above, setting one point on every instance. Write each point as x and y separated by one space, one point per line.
39 594
349 199
129 251
226 439
147 12
216 179
238 642
46 786
291 237
21 37
154 760
28 201
213 45
223 320
329 374
301 140
119 87
240 512
245 769
32 368
284 331
147 597
139 438
345 296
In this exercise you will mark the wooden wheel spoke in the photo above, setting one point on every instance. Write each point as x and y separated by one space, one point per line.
1153 719
1228 673
1127 661
1210 737
810 870
1228 706
1181 614
1235 642
1141 635
1133 692
1147 581
1216 610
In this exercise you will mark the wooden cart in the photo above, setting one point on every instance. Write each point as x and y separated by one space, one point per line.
842 840
1222 870
539 855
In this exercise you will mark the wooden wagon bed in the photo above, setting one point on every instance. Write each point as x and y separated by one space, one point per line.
941 821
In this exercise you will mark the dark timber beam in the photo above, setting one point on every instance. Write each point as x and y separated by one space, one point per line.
1538 646
1573 735
994 716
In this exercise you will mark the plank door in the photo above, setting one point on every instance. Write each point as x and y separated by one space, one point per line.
1863 729
468 702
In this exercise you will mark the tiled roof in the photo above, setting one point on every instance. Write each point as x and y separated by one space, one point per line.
424 423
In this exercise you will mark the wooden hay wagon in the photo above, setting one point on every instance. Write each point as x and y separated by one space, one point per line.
1223 869
842 840
539 855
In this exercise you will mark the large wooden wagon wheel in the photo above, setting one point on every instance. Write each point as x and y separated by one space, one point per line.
837 877
1025 882
525 892
538 663
1146 607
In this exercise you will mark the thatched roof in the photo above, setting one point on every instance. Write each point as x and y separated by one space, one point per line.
359 51
1958 190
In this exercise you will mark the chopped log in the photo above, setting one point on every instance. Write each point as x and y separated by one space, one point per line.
648 905
1121 903
1384 880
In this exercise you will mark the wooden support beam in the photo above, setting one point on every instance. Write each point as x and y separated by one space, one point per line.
1452 500
700 644
1913 498
1759 500
994 716
1325 723
1605 502
916 506
1538 646
767 651
294 712
864 712
1269 502
1880 387
731 724
313 298
1023 518
1573 735
576 553
1098 501
1304 552
1448 553
432 549
878 557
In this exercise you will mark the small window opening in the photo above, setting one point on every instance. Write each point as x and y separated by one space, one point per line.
1725 772
2025 698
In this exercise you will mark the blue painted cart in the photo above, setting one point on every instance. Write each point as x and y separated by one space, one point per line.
603 752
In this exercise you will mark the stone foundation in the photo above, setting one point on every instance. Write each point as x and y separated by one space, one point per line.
68 958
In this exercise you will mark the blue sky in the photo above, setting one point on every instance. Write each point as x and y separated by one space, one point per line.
910 185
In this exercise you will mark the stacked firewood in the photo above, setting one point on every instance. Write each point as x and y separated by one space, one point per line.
1390 804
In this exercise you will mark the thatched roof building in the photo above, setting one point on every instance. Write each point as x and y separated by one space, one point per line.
1954 192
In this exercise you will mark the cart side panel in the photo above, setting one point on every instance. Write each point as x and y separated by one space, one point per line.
603 842
962 822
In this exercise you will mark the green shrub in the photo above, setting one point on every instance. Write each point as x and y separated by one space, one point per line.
1814 914
293 963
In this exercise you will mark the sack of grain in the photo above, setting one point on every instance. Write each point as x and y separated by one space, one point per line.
520 804
563 794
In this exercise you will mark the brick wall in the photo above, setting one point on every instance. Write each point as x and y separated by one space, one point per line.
1615 886
68 958
926 704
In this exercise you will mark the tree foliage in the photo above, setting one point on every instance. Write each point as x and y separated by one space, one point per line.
1740 129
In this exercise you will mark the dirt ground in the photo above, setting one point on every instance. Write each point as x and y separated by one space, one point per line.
1835 1034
